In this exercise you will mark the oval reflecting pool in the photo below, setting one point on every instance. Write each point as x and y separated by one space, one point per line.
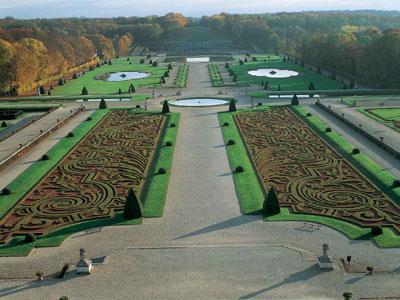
273 73
121 76
198 102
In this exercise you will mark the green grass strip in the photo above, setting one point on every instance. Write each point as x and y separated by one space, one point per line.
248 188
156 192
21 185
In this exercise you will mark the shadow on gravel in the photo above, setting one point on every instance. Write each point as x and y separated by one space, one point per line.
303 275
237 221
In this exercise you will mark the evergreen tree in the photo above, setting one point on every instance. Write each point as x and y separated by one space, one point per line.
284 59
162 79
166 74
266 85
279 88
110 62
295 100
234 78
103 104
311 86
74 76
271 204
232 105
85 91
165 108
60 81
42 91
131 89
119 91
169 66
133 206
345 86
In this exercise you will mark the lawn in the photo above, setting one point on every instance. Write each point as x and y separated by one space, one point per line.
155 193
182 76
95 86
215 75
389 117
298 83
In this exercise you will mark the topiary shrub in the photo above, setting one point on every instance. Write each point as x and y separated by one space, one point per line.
30 238
232 105
4 124
271 204
239 169
376 230
165 108
137 106
168 144
328 129
259 104
119 91
396 183
225 124
133 206
172 125
89 119
161 171
45 157
308 115
103 104
355 151
85 91
295 100
63 298
6 191
70 134
231 142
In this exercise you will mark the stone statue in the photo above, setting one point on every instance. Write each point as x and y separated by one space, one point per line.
325 249
325 262
82 253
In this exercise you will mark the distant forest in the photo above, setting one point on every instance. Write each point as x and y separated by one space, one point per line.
364 45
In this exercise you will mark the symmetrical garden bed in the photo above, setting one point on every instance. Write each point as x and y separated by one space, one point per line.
92 181
388 116
309 175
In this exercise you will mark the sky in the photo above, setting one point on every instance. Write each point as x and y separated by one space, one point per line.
127 8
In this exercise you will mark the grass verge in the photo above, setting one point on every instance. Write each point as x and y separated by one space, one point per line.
248 189
155 193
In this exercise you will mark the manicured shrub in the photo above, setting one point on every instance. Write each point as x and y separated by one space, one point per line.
376 230
119 91
308 115
74 76
232 105
131 89
328 129
279 88
355 151
168 144
295 100
89 119
169 66
266 85
172 125
271 204
70 134
345 87
162 80
42 91
60 81
63 298
352 84
165 108
311 86
4 124
239 169
110 62
137 106
259 104
225 124
103 104
133 206
231 142
30 238
45 157
85 91
155 64
234 78
162 171
48 93
396 183
142 61
6 191
166 74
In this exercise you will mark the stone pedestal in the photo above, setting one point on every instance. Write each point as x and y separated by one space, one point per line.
325 262
84 265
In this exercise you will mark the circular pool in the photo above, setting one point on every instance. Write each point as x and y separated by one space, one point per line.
198 102
273 73
121 76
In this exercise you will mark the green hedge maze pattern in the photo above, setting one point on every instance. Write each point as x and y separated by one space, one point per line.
92 181
309 176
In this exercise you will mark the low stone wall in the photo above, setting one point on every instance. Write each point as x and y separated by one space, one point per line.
20 152
361 131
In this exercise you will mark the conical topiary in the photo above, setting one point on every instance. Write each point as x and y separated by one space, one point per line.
103 104
133 206
271 204
165 108
85 91
232 105
295 100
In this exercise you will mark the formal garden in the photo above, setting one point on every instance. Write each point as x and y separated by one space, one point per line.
116 76
83 181
316 174
387 116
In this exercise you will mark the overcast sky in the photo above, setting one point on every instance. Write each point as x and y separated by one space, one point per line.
114 8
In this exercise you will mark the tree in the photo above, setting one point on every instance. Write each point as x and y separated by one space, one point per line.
42 91
75 76
271 204
103 104
119 91
279 88
295 100
133 206
162 79
60 81
166 74
266 85
165 108
311 86
234 78
131 89
232 105
85 91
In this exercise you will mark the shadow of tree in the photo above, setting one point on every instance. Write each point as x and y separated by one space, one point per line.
233 222
302 275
